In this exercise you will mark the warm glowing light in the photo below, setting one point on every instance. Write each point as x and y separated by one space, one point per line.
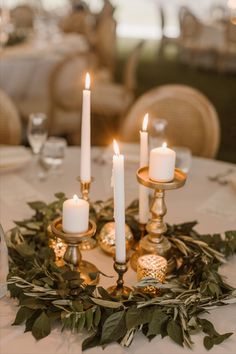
75 198
145 122
231 4
164 145
87 81
116 147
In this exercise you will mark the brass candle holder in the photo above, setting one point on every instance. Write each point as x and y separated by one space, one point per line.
155 242
72 255
151 266
119 290
84 189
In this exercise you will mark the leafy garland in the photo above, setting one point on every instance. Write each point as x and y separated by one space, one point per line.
48 294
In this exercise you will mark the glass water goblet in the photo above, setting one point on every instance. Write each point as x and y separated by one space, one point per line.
37 132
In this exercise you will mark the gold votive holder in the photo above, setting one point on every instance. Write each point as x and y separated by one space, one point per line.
59 249
119 290
72 256
155 241
90 243
151 266
106 238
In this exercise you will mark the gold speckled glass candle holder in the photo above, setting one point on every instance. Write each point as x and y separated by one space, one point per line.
151 266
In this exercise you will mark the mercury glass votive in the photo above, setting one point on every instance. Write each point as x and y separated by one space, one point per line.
106 238
151 266
59 248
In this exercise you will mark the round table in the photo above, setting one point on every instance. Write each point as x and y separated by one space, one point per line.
186 204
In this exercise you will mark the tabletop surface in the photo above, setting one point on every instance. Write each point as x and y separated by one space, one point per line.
197 200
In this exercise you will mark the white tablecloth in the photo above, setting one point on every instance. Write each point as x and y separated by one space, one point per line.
25 68
185 204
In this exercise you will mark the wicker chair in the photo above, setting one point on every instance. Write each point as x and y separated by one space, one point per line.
113 100
227 54
10 123
23 17
192 119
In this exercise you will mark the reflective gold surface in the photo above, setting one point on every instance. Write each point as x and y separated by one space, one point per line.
106 238
151 266
72 254
119 290
155 242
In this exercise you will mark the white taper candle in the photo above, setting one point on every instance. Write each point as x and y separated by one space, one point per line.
85 159
119 204
144 191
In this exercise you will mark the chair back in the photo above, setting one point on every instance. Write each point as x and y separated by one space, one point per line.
129 75
192 119
23 16
190 26
105 41
10 123
230 33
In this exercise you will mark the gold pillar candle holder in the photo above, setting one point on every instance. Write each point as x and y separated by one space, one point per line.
151 266
106 238
119 290
155 242
85 189
72 255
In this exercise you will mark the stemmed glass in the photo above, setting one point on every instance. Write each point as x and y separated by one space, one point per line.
157 132
37 132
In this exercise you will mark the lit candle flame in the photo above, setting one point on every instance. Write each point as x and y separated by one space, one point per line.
145 122
75 198
164 145
116 147
87 81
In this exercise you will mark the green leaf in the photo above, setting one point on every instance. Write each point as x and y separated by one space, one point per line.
25 250
22 315
89 318
158 320
175 332
60 195
33 303
208 342
30 321
97 316
113 328
137 316
106 303
81 322
41 327
37 205
219 339
91 342
207 327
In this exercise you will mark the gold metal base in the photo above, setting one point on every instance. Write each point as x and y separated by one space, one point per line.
88 244
72 255
87 272
119 290
119 293
155 242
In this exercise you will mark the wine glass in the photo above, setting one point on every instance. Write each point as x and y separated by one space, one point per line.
157 132
37 134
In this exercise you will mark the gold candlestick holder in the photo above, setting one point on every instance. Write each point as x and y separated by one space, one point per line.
85 189
119 290
72 255
155 242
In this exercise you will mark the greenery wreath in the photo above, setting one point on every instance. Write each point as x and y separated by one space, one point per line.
48 294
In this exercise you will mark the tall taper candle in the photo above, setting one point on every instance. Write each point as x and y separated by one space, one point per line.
144 191
119 204
85 158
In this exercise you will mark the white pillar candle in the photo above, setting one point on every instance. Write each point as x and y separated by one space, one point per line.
75 215
119 204
162 164
85 160
144 191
